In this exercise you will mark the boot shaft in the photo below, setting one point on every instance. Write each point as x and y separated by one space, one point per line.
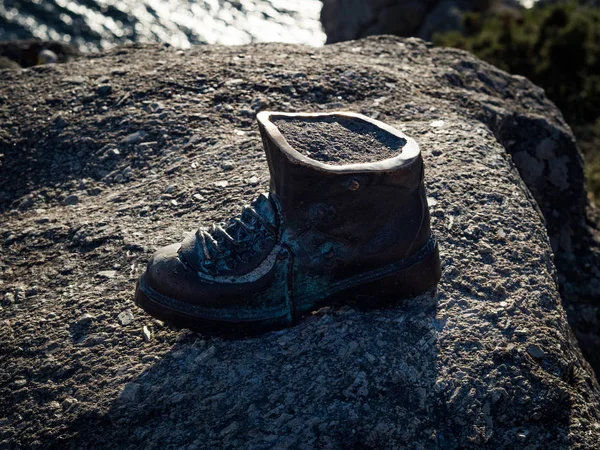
347 217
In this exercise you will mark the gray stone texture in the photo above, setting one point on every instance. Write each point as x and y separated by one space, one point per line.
489 362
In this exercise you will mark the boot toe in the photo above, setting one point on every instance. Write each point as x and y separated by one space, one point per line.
172 291
166 274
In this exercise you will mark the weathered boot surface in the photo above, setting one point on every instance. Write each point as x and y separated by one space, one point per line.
346 217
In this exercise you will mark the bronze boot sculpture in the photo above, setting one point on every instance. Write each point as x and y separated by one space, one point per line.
332 227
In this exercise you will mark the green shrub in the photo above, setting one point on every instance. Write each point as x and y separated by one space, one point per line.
557 47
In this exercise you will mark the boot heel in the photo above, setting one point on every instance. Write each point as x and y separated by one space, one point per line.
404 286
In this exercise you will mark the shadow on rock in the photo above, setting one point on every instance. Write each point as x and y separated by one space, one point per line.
340 379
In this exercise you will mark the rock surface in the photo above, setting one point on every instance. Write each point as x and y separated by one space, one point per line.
489 362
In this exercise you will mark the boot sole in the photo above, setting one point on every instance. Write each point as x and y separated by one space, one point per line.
404 286
155 304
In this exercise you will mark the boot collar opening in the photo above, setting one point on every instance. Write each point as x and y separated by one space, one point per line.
409 154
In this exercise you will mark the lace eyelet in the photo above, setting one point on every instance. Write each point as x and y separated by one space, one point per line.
353 184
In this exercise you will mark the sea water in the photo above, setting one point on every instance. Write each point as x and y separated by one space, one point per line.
98 24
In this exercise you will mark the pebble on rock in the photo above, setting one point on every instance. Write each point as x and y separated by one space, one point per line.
71 200
130 392
535 351
133 138
18 384
54 405
9 299
522 435
68 403
84 320
74 80
126 317
109 274
227 165
104 90
146 333
205 355
95 339
485 249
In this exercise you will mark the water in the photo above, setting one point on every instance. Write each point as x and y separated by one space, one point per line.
527 3
98 24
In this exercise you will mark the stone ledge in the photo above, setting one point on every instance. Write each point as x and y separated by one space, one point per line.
491 362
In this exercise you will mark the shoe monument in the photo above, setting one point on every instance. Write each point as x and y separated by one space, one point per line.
346 218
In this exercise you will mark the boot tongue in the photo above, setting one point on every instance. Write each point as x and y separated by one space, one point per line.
265 209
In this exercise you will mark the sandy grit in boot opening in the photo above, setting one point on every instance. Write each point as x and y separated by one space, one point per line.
339 141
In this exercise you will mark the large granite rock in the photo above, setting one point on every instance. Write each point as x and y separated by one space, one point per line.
26 53
107 157
353 19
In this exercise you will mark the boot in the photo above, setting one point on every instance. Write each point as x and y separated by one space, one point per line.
326 231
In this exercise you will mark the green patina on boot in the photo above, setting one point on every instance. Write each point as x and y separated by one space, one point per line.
346 216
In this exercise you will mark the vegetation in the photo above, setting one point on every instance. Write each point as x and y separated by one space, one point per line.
558 48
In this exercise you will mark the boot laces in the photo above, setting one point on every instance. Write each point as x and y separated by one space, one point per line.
240 234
